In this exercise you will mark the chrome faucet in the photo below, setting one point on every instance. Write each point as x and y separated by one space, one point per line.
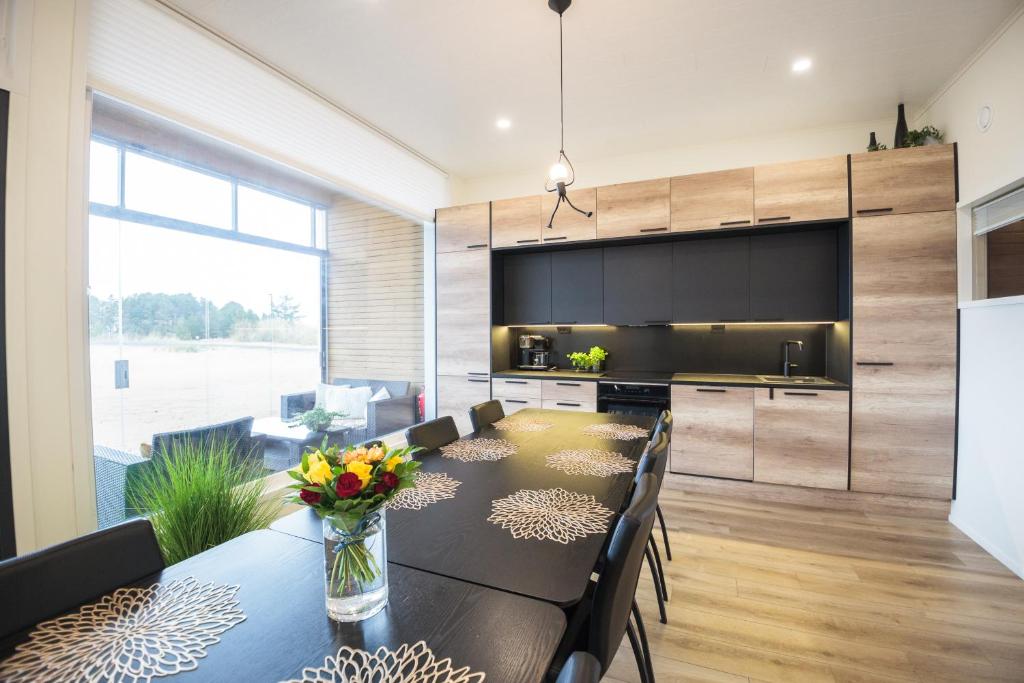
786 365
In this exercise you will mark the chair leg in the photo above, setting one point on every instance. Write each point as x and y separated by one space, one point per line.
637 653
642 632
664 533
661 570
657 584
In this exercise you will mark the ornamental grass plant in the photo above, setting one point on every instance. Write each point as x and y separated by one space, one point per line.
200 495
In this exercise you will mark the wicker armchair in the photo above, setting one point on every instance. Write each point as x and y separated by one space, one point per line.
382 417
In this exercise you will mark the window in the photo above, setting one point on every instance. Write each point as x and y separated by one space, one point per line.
104 174
162 188
268 215
999 237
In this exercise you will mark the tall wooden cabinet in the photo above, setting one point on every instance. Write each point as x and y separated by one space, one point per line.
904 354
910 180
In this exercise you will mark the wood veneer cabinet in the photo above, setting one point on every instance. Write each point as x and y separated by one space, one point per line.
463 228
463 313
904 354
706 201
801 437
516 222
713 431
632 209
569 225
798 191
911 180
456 394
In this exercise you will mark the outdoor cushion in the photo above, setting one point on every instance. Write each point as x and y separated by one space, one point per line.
321 393
381 395
350 401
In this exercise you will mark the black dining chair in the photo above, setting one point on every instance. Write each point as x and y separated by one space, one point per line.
433 434
45 583
581 667
664 426
485 414
609 610
653 461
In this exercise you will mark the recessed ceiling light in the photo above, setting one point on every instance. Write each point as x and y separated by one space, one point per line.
801 65
503 124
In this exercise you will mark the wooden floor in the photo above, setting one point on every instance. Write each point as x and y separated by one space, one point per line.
770 591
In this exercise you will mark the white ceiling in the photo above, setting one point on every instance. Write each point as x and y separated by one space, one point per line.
640 74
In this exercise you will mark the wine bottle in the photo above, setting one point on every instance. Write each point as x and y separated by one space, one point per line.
901 128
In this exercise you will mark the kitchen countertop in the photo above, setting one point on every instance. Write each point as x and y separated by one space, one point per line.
550 374
749 381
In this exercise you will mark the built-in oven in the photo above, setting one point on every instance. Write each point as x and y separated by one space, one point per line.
633 398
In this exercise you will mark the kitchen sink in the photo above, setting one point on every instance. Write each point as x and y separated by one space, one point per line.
795 379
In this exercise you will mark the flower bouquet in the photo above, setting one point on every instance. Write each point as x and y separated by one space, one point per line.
349 490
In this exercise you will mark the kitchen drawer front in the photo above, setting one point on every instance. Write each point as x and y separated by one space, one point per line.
569 404
802 437
570 390
911 180
511 405
457 394
508 387
713 431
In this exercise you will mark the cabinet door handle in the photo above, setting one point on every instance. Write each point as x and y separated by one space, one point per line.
875 363
574 405
526 241
734 222
552 239
773 218
567 384
515 381
478 381
479 374
653 229
475 246
712 391
800 393
887 209
513 400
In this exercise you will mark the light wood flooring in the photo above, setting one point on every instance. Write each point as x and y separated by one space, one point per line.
774 591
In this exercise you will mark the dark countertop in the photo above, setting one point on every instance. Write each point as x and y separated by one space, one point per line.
550 374
750 381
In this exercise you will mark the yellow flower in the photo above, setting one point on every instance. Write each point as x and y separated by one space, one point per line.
375 454
361 470
319 470
392 462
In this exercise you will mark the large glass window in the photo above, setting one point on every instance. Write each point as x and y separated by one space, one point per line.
104 174
163 188
269 215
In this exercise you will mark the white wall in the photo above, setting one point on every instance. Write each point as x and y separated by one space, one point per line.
51 465
989 506
786 146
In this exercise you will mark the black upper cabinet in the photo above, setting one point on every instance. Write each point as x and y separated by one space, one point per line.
793 276
527 290
577 287
638 285
711 280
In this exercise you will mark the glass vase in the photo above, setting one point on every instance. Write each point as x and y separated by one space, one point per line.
355 566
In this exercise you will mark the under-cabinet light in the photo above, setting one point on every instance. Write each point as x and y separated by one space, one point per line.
556 325
766 322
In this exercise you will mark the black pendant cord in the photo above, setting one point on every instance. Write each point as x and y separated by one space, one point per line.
561 90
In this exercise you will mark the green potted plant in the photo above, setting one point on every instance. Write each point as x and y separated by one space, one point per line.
597 358
316 420
929 135
580 361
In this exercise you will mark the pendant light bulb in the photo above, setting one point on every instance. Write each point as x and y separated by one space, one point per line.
558 173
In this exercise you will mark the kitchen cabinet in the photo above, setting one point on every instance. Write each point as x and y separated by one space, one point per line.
904 354
516 387
910 180
801 191
793 276
527 289
457 394
706 201
515 222
711 280
569 390
577 287
713 431
569 225
569 404
463 228
633 209
638 285
801 437
463 313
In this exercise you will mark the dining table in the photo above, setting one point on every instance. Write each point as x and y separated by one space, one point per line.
457 537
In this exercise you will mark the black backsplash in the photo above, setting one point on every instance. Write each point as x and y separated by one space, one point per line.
741 349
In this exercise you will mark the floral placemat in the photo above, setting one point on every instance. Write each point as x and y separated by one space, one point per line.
476 450
521 424
589 461
618 432
431 487
132 635
550 514
408 664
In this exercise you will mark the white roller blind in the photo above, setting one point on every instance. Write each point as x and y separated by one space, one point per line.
999 212
145 54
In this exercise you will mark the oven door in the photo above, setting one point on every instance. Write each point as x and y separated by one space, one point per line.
625 405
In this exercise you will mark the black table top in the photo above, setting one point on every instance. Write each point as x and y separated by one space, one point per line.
454 537
281 579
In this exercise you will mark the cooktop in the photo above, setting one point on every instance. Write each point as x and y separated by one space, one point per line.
637 376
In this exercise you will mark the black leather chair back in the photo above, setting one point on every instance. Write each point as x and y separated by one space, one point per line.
613 597
46 583
433 434
484 414
663 425
581 667
654 458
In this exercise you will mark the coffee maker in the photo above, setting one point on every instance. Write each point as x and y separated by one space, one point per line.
534 352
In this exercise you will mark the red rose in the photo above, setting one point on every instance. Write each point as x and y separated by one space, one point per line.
348 485
388 481
309 497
